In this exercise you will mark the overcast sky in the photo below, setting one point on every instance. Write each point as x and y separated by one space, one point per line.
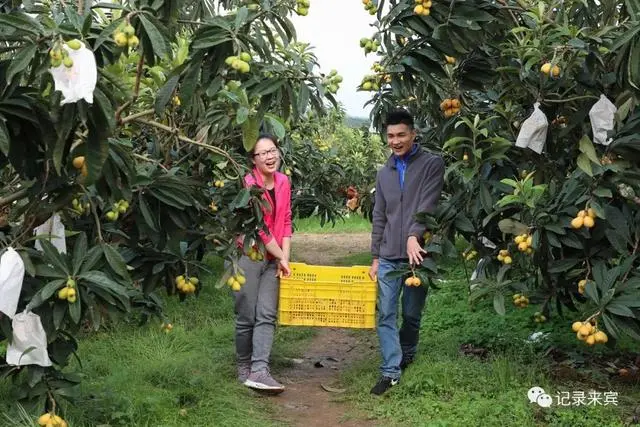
334 28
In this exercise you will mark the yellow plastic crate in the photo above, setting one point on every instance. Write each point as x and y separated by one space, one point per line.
318 295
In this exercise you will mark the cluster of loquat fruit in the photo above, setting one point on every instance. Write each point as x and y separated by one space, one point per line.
521 301
585 218
589 333
469 255
332 81
255 255
302 7
236 281
51 420
187 285
218 183
369 45
538 317
125 36
413 281
450 106
370 6
370 83
239 63
550 70
423 7
582 284
59 56
118 208
69 291
504 256
80 164
80 208
524 243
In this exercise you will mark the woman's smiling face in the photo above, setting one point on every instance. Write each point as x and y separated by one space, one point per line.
266 156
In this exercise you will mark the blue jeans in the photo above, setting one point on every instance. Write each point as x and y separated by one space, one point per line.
395 344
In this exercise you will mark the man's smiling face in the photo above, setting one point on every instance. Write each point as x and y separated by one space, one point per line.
400 138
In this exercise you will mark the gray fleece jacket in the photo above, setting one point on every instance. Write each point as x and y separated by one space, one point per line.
399 196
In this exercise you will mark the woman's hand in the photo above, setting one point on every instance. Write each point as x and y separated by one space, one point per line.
283 268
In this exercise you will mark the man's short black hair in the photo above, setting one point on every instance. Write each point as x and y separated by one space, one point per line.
397 117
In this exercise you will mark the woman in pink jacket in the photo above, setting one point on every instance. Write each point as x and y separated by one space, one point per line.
256 303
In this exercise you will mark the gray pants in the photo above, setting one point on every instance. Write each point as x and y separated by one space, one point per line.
256 308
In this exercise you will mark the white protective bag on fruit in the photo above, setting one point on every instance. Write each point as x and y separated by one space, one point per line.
602 116
11 277
54 229
533 132
29 344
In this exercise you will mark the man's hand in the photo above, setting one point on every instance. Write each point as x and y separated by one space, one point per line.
414 251
373 270
283 269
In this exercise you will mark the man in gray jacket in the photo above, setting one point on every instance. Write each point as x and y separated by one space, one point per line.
410 182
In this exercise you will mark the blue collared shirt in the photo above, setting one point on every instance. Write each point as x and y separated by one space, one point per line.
401 164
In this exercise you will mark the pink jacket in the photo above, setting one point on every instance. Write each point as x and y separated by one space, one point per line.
278 223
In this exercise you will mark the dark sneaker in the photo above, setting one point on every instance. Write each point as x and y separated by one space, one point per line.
384 384
406 361
244 370
263 381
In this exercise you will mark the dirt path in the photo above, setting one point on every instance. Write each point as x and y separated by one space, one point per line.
306 402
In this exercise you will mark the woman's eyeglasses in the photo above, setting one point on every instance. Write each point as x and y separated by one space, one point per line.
264 154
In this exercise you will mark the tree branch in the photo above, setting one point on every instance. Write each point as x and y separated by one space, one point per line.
176 132
137 116
20 194
575 98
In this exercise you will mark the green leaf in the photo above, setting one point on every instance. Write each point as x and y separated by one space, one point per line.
164 94
45 293
602 192
65 126
241 17
586 147
54 257
28 264
116 261
498 304
21 21
93 257
75 309
463 223
155 36
585 164
241 199
598 209
242 115
146 212
107 32
5 142
485 198
563 265
510 226
276 125
105 282
79 252
250 132
59 310
619 309
20 61
591 291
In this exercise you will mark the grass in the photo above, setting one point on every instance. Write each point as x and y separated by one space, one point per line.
141 376
445 388
352 223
